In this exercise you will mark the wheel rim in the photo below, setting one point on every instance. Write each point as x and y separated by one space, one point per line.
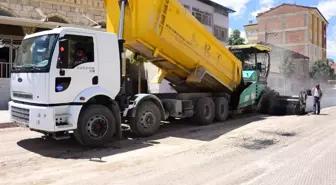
148 120
97 127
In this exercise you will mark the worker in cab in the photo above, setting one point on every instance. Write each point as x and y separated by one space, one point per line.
317 94
80 57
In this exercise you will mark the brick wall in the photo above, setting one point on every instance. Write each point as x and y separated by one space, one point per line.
294 21
68 10
297 36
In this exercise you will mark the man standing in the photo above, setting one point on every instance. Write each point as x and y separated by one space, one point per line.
317 93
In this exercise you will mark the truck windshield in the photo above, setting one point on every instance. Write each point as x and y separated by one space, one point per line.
35 53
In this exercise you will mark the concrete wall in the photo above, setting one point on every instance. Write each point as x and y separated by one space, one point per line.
221 20
4 93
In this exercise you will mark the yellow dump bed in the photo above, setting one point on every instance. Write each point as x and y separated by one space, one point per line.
189 56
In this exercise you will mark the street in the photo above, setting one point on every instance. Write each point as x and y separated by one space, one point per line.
252 150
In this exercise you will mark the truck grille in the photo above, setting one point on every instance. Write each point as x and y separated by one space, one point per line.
20 114
22 95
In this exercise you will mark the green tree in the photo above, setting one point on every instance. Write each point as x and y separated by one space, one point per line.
235 38
287 67
139 61
321 71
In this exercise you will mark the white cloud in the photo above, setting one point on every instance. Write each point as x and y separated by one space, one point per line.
264 6
237 5
331 43
327 8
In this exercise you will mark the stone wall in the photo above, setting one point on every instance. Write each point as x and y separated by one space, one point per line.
69 11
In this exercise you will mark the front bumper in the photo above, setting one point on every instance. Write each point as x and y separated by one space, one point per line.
46 119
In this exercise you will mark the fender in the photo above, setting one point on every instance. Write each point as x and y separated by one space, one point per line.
87 94
136 100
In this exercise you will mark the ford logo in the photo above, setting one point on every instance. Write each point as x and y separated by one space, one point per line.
19 79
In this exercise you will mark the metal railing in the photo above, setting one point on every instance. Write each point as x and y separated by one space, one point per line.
5 69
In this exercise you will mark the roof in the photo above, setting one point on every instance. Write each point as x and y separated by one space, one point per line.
308 7
214 4
253 24
259 47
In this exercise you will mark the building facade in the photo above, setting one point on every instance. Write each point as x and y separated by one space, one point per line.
294 27
251 31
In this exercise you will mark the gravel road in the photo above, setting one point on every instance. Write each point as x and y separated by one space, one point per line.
256 150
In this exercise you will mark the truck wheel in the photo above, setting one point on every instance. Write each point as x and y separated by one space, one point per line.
204 111
96 126
221 109
264 102
147 120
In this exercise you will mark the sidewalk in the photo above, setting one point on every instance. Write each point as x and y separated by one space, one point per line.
4 119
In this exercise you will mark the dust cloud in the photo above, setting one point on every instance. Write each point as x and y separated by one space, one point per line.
299 79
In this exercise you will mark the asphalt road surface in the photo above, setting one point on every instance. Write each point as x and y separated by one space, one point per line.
256 150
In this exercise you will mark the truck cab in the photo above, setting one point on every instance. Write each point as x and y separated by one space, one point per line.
57 71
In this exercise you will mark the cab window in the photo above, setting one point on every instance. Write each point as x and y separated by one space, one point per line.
75 50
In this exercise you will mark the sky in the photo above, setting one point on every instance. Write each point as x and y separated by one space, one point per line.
248 9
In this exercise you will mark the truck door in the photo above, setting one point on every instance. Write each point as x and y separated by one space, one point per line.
76 67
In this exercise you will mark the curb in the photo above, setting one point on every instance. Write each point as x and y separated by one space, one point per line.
7 125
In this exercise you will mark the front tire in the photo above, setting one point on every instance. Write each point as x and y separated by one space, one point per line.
96 126
147 120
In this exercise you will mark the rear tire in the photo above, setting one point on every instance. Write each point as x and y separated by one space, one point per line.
204 111
147 120
221 109
96 126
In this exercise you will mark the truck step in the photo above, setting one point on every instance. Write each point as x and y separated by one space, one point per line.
61 135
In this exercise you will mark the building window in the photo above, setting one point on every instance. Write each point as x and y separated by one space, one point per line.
202 17
221 33
76 50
